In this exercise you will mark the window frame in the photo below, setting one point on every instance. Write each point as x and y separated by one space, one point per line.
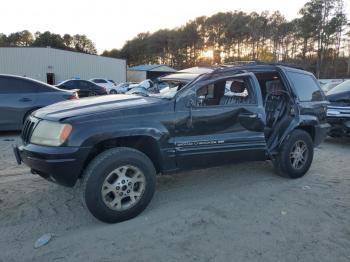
295 89
226 78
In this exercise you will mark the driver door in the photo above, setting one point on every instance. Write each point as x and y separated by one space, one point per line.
214 128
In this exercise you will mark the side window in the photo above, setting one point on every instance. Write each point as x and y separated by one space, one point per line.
84 85
70 85
305 86
12 85
233 91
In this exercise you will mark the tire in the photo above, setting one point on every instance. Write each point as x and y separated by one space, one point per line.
114 166
93 93
290 161
113 92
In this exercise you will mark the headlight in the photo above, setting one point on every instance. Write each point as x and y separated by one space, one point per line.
50 133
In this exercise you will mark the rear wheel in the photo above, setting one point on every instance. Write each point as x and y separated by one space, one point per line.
118 184
296 155
113 92
93 93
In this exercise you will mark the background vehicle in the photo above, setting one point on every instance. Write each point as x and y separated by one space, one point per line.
117 144
122 88
338 112
329 86
109 85
19 96
85 88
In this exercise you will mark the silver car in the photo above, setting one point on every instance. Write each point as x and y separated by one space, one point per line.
20 96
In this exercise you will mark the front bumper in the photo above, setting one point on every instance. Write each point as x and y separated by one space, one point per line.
339 119
339 126
62 165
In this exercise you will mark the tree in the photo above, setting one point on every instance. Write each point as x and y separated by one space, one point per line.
23 38
82 44
48 39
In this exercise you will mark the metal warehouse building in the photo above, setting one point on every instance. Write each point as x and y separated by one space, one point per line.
143 72
54 65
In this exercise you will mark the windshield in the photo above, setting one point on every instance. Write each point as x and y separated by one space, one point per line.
343 87
168 89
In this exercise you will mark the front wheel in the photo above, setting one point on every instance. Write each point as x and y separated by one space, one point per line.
118 184
113 92
296 155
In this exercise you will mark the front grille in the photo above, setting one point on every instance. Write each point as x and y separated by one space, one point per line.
27 129
338 111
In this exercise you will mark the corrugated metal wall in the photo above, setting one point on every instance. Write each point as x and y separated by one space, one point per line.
37 62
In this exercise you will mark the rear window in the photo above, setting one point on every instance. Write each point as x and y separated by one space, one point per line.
99 81
306 86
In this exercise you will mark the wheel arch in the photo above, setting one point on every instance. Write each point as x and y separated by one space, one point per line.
144 143
310 129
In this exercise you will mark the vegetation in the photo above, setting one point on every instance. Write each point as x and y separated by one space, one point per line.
79 43
316 40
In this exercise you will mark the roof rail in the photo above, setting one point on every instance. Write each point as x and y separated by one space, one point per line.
257 62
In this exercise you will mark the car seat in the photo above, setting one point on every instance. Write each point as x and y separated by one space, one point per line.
277 105
232 97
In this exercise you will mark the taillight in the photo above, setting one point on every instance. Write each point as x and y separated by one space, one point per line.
73 96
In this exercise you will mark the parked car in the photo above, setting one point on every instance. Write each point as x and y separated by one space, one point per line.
109 85
122 88
117 144
329 86
149 87
85 88
162 84
19 96
338 113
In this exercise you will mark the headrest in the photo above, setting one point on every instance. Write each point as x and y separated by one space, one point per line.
237 87
273 86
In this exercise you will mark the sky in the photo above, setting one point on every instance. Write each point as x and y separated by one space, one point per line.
110 23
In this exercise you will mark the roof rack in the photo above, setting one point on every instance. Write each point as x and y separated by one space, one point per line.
257 62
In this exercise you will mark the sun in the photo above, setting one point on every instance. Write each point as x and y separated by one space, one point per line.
209 53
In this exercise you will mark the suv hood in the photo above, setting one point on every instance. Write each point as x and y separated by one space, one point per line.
93 105
339 99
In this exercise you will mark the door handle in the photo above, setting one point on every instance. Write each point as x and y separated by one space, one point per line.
25 99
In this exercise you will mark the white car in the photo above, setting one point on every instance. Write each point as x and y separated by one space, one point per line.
122 88
106 83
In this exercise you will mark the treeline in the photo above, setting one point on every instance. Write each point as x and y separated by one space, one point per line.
78 43
316 40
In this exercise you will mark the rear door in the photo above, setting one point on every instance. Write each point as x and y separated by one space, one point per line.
223 128
84 88
17 97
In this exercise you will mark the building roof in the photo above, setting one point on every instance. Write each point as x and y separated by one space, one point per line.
153 68
58 49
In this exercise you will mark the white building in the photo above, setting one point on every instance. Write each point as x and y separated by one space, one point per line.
53 65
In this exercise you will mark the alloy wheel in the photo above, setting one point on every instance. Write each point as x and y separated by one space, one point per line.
123 187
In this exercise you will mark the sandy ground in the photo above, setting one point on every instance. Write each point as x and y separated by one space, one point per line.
236 213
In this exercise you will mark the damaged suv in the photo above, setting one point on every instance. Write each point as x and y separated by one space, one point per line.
117 144
339 110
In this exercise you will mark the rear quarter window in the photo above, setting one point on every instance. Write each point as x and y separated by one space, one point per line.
305 86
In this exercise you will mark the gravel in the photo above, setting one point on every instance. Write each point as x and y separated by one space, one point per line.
242 212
